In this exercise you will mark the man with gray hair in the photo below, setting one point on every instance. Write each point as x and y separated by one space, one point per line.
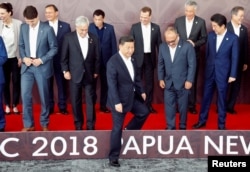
80 65
193 29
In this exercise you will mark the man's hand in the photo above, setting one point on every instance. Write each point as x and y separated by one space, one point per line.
143 95
67 75
36 62
118 107
162 84
244 67
191 42
188 85
231 79
27 61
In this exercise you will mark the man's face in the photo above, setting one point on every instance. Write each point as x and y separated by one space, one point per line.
238 18
4 15
145 18
171 38
82 30
98 20
127 49
32 22
189 12
218 29
51 14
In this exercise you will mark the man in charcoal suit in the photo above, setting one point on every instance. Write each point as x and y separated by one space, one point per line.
60 28
147 37
193 29
125 94
222 52
80 65
236 26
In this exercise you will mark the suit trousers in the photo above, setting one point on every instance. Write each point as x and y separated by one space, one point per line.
31 75
193 91
147 72
76 100
104 86
140 112
171 96
2 117
12 73
209 88
61 87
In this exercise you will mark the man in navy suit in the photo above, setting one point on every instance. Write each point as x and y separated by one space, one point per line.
37 47
60 29
221 68
107 48
193 29
236 26
176 72
147 37
125 94
3 59
80 64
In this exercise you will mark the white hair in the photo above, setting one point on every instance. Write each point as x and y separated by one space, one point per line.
191 3
81 21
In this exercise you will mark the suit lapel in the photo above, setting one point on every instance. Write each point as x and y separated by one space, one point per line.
177 50
223 43
76 41
140 32
194 26
124 67
39 35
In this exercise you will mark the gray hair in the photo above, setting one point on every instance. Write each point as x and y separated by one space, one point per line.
81 21
191 3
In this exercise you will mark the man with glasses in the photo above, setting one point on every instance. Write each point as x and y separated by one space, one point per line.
176 72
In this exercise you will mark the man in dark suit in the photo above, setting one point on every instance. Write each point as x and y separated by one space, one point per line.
193 29
60 28
37 47
236 26
125 94
3 59
176 72
222 51
80 65
107 47
147 37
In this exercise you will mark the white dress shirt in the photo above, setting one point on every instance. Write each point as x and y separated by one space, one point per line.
236 29
172 52
219 39
33 32
189 25
129 65
54 25
146 34
84 44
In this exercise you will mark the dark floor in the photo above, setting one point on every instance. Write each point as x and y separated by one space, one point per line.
101 165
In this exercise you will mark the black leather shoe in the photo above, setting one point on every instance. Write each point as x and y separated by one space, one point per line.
222 128
2 130
114 163
231 111
151 109
51 111
63 111
199 125
192 110
104 109
182 128
78 128
90 128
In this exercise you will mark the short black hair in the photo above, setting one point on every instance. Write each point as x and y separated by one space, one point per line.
219 19
7 6
125 39
53 6
99 12
30 12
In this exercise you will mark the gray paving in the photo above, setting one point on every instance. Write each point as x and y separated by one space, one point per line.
101 165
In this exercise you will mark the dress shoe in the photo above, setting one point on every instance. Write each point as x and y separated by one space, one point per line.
28 129
151 109
114 163
51 111
104 109
15 110
192 110
45 128
199 125
221 128
2 130
63 111
7 110
78 128
90 128
182 128
231 111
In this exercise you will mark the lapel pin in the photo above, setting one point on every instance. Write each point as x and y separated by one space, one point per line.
227 39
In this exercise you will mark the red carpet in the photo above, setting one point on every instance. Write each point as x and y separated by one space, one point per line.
240 121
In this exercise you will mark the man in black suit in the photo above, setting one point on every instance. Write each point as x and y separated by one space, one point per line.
176 72
147 37
193 29
236 26
80 65
125 93
60 28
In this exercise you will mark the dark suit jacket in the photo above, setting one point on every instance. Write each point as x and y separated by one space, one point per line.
46 47
72 58
3 59
63 28
198 32
108 47
122 88
181 69
223 64
136 32
243 44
